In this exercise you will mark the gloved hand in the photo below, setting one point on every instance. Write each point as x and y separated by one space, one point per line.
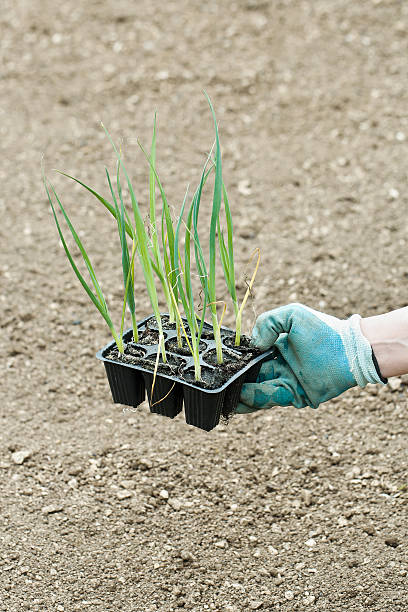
319 357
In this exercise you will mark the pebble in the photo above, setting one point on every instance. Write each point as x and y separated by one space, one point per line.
51 509
394 383
145 464
186 555
127 484
20 456
220 544
175 504
310 599
255 605
125 494
353 473
244 187
164 494
289 595
307 497
310 542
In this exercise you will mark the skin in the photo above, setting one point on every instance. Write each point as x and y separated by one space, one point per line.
388 336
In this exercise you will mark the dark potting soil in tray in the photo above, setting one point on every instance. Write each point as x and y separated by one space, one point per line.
213 375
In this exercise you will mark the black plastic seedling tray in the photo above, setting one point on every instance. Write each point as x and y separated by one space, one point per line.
202 407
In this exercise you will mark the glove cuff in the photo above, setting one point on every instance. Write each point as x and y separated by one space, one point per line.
360 354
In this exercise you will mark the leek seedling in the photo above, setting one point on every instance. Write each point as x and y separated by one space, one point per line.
128 272
161 272
208 278
142 249
164 270
108 205
97 297
183 279
227 262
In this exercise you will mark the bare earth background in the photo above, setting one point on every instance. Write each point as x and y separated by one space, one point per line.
283 510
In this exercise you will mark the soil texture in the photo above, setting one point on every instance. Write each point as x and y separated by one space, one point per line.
108 509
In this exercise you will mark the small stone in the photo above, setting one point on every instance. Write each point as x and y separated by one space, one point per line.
353 563
53 571
272 550
164 494
51 509
244 187
369 530
175 504
220 544
186 555
20 456
342 521
289 595
307 497
177 591
393 194
392 541
255 605
125 494
310 599
394 383
335 458
310 542
238 586
145 464
353 473
127 484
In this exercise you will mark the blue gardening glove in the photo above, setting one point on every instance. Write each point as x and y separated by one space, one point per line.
319 357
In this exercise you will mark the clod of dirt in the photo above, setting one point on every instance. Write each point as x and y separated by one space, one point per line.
392 541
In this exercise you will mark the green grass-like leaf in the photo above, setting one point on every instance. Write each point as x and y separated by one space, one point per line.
98 298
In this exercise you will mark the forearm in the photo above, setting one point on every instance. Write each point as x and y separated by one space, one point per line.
388 336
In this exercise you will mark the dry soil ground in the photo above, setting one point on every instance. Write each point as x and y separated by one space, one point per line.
286 510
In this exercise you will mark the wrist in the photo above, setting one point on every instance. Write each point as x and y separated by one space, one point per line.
388 336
